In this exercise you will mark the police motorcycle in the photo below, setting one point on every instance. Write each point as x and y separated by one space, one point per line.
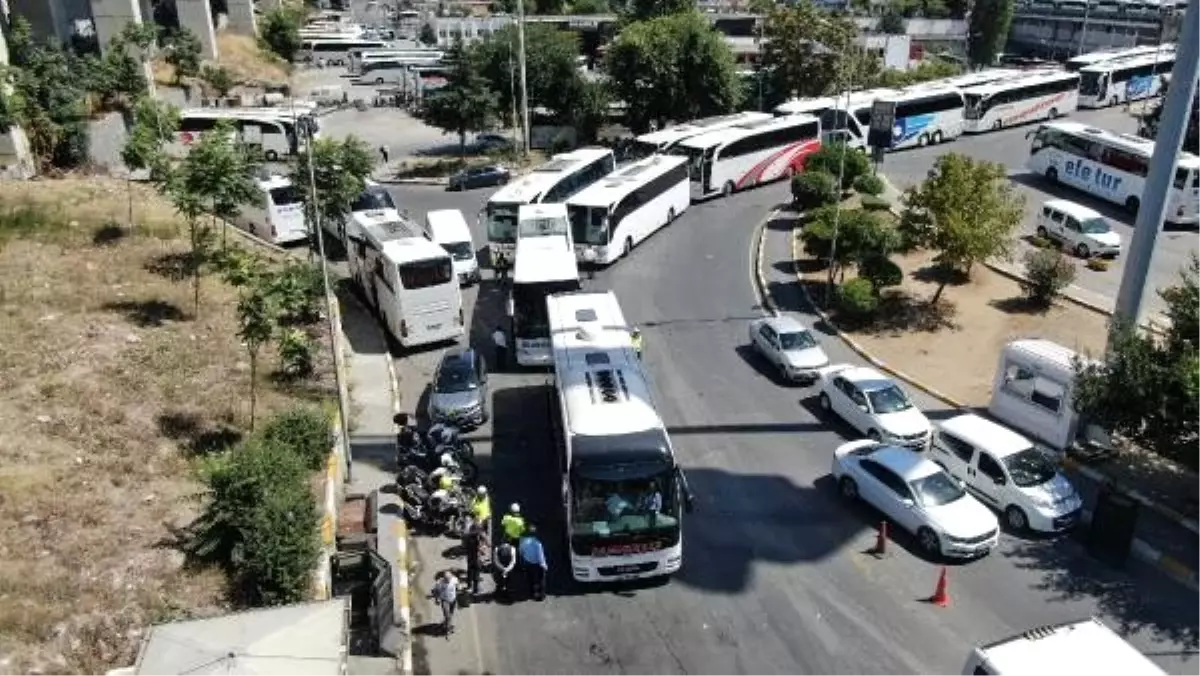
419 452
439 503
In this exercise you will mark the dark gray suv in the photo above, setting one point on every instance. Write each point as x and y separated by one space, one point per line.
460 393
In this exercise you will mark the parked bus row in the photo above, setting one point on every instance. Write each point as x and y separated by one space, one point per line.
274 133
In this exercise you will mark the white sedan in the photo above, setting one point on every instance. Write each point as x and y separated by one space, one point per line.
916 494
872 404
789 345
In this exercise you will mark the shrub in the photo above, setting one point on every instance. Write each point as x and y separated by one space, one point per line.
881 272
305 432
274 563
1046 273
1043 242
814 189
857 298
869 184
296 353
296 290
875 203
1097 264
829 159
280 32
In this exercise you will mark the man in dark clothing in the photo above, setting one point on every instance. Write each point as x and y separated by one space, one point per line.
501 267
533 562
504 562
470 543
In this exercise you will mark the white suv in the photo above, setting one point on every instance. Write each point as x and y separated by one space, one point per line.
1079 228
1006 472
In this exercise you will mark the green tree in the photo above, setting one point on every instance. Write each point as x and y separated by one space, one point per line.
255 325
892 21
428 36
552 77
987 29
838 157
643 10
466 103
807 50
154 123
673 68
120 75
585 7
275 565
306 431
925 71
339 170
1047 272
280 32
860 236
219 79
966 210
181 50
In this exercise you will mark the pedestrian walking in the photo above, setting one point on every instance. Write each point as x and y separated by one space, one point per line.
533 561
513 524
500 340
383 151
500 267
445 592
504 562
470 543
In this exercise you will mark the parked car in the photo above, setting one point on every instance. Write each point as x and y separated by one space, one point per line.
789 346
460 391
873 404
917 495
1007 473
489 141
1080 229
479 177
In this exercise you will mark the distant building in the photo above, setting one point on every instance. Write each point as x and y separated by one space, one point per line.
1056 28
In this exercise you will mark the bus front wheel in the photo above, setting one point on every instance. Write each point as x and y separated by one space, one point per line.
628 246
671 214
998 124
1132 205
727 190
1053 113
271 156
1052 175
922 141
937 137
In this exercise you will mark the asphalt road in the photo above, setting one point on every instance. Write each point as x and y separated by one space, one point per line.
775 579
1011 148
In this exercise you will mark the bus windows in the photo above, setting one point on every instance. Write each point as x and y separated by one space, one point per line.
424 274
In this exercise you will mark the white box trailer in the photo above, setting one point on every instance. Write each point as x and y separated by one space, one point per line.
1034 391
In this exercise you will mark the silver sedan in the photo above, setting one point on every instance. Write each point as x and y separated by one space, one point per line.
789 346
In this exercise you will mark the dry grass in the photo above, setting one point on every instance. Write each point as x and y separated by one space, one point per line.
241 55
99 366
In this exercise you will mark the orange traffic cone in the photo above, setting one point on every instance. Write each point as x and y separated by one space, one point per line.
940 596
881 538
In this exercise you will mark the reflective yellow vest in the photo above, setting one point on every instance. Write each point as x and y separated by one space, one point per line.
513 526
482 508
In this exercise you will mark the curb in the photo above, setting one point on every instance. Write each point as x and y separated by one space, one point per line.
403 602
764 294
1140 550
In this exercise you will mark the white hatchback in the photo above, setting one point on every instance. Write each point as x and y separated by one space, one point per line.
873 404
917 495
1005 471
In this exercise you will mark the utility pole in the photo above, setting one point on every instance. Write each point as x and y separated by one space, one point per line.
1087 10
524 89
512 88
1171 129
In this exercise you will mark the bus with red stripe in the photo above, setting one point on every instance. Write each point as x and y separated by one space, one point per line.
743 156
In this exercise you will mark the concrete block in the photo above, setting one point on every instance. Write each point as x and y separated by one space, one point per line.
241 17
196 16
111 16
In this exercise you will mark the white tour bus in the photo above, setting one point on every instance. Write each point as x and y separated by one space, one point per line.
545 265
836 124
926 116
1040 96
335 51
555 181
544 220
394 70
405 278
622 209
749 154
664 139
1080 647
1113 82
1082 61
276 132
279 216
358 57
1111 166
622 489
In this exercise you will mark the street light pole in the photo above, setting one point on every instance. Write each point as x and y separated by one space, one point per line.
1153 208
524 88
1087 10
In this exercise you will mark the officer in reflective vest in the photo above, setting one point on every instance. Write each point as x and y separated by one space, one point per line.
513 524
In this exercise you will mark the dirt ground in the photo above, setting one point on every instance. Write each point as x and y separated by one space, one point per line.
957 347
109 392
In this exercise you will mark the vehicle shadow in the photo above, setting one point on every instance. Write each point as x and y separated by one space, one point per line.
764 368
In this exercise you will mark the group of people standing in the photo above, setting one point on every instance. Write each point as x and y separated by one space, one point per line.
519 559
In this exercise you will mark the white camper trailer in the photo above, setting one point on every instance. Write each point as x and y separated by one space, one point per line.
1034 391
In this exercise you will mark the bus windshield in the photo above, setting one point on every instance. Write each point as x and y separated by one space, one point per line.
974 109
1089 84
502 222
606 510
529 306
542 227
695 157
589 225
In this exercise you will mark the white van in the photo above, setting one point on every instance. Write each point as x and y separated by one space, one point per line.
1034 392
1080 229
1007 473
448 229
1081 647
279 217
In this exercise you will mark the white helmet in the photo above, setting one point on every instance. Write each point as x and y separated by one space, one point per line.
515 508
482 490
448 461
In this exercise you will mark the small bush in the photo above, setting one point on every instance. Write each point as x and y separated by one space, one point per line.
303 431
881 272
1097 264
296 353
857 298
869 184
875 203
814 189
1047 272
297 291
1042 242
836 156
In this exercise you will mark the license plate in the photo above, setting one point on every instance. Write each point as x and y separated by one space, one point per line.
621 570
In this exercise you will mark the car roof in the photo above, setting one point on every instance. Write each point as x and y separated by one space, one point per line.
464 356
1073 209
908 465
982 433
783 324
867 379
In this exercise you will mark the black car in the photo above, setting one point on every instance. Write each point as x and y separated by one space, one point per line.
479 177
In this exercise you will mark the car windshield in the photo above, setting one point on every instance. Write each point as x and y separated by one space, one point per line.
890 399
797 340
937 489
372 200
1094 226
1030 467
460 251
457 376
